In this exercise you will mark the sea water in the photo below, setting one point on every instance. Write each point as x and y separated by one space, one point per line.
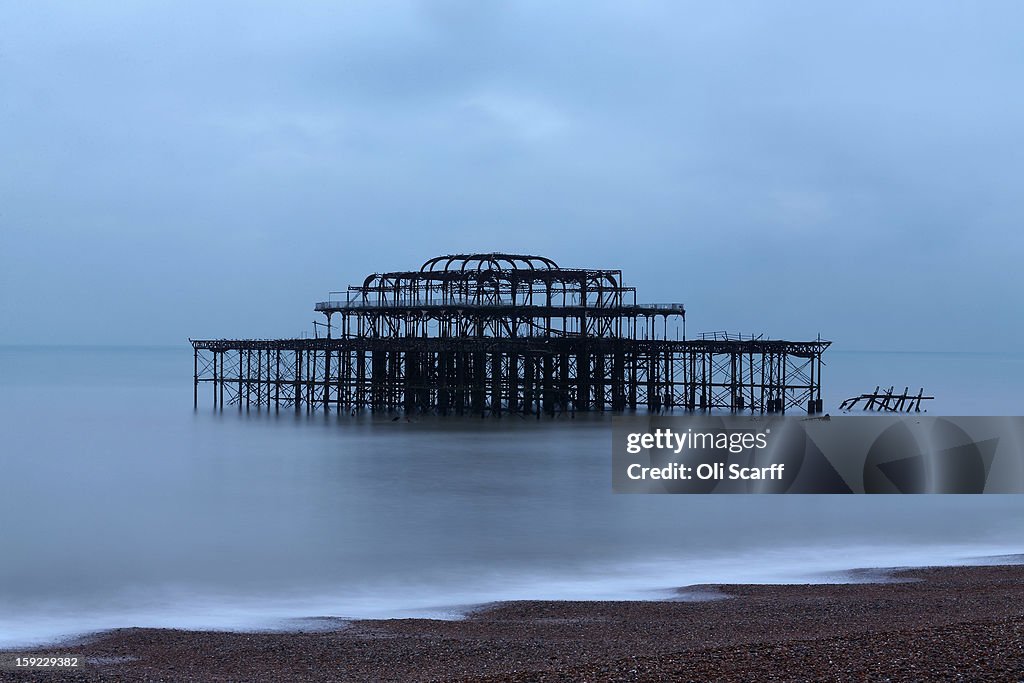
122 506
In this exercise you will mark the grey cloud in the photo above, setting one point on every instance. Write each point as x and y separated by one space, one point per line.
787 167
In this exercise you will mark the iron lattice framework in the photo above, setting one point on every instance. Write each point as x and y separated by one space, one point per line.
493 333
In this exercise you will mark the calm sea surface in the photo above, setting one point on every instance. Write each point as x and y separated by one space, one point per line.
121 506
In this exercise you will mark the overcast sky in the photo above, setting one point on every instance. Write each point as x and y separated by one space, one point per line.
205 169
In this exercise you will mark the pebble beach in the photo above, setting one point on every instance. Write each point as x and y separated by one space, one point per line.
962 623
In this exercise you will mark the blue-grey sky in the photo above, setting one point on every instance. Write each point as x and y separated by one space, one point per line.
175 169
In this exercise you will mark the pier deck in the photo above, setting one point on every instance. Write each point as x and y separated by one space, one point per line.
490 334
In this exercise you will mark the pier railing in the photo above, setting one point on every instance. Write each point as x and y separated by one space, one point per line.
496 333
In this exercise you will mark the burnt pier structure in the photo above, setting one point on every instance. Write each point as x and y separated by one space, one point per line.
487 334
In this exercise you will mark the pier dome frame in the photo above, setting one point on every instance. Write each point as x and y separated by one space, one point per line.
494 333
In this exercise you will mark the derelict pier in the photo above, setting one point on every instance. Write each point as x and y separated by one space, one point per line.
487 334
